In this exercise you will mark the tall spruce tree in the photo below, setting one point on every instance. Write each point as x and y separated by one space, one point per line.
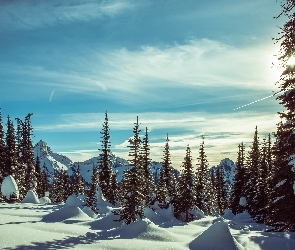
282 203
91 198
184 203
253 169
201 186
146 165
166 186
132 192
10 149
39 189
78 185
221 192
239 184
105 163
2 150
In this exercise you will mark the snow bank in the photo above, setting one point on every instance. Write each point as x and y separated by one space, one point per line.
31 197
89 212
66 213
216 237
74 200
228 215
9 187
243 217
44 200
243 201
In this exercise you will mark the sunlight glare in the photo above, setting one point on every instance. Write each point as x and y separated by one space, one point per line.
291 61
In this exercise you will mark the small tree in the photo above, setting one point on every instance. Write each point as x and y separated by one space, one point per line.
91 199
185 200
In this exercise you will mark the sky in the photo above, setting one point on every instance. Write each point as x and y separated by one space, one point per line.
186 68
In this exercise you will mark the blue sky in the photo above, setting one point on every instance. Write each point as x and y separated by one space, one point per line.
184 67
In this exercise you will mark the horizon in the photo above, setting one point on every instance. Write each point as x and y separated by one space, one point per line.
187 69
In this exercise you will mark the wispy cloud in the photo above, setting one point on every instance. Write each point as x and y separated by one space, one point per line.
51 95
38 14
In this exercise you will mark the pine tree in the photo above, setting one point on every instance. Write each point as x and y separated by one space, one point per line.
281 207
167 182
91 198
39 178
105 162
114 189
2 150
185 201
55 189
201 186
10 150
44 183
132 192
253 168
78 186
221 195
239 185
148 175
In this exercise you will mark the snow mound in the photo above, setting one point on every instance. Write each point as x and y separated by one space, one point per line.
243 217
31 197
89 212
9 187
106 223
44 200
228 215
74 201
243 201
216 237
66 213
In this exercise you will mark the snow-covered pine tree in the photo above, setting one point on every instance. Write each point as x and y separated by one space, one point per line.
132 190
55 189
78 185
260 199
44 183
10 149
166 186
105 163
253 168
91 198
39 189
239 185
202 182
2 150
149 186
20 169
221 192
30 177
66 184
281 208
184 203
114 189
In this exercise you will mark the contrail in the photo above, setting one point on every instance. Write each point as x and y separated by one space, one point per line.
52 93
258 100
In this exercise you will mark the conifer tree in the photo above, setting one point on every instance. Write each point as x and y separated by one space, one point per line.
281 207
66 184
148 176
166 186
185 201
2 150
253 168
39 189
55 189
114 189
132 192
78 186
239 185
10 149
221 196
91 198
201 186
105 162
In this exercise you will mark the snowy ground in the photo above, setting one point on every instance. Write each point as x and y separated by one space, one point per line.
57 226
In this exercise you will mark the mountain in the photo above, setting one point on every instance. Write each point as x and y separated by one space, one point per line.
60 162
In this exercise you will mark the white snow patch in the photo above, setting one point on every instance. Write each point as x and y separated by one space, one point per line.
228 215
31 197
9 187
44 200
66 213
243 201
74 200
281 183
216 237
243 217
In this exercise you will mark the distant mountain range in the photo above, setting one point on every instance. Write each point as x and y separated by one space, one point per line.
60 162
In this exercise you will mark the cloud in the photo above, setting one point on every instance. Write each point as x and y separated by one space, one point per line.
38 14
222 132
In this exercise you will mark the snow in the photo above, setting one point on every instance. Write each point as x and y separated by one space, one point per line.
281 183
9 187
243 201
294 187
74 200
31 197
56 226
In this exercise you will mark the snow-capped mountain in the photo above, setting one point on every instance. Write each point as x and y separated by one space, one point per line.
60 162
